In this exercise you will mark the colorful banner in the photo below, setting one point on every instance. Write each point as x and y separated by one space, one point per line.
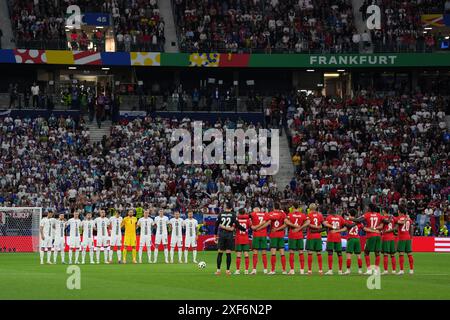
224 60
205 242
432 20
96 19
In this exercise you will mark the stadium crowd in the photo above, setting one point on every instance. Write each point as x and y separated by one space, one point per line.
265 26
387 151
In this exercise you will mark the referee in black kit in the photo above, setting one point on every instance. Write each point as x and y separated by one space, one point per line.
224 235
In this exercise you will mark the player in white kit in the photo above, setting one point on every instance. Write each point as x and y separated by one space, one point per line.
101 225
59 243
46 229
74 240
88 238
190 239
145 224
176 238
161 222
116 237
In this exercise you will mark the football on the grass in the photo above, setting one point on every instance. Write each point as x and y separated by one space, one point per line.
202 265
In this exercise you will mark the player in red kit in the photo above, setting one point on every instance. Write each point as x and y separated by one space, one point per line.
353 242
277 226
373 221
335 224
296 221
242 241
388 243
404 245
260 222
313 237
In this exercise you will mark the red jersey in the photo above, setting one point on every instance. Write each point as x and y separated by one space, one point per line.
296 218
257 218
354 231
388 227
316 219
338 223
404 229
242 236
277 220
373 220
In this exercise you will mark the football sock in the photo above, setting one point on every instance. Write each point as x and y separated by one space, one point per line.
302 261
283 262
401 261
394 263
291 260
330 262
186 252
70 255
247 262
133 253
349 263
385 262
264 260
360 263
98 255
155 255
377 260
41 253
180 254
319 259
166 254
111 252
340 262
77 253
55 256
125 251
310 261
91 254
194 253
149 253
172 253
219 260
49 255
255 260
411 262
106 253
83 255
273 261
228 261
367 257
238 263
119 254
140 253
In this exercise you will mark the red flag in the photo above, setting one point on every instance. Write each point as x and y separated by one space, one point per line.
234 60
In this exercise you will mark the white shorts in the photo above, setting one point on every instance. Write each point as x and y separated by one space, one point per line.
190 242
176 241
102 241
74 242
160 238
116 241
145 241
46 243
59 244
87 242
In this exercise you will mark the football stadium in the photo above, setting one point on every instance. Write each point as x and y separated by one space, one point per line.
224 150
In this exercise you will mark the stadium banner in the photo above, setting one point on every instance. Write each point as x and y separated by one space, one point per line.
25 243
226 60
432 20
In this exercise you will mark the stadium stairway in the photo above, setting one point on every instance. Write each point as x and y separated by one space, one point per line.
5 26
170 31
286 169
360 24
96 133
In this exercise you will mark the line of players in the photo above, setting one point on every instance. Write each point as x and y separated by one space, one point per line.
379 229
109 237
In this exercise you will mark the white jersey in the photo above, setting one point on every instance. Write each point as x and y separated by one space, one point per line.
74 225
88 229
46 225
115 222
146 226
102 226
60 226
191 227
177 226
161 225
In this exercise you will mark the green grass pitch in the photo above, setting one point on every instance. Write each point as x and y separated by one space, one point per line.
22 277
